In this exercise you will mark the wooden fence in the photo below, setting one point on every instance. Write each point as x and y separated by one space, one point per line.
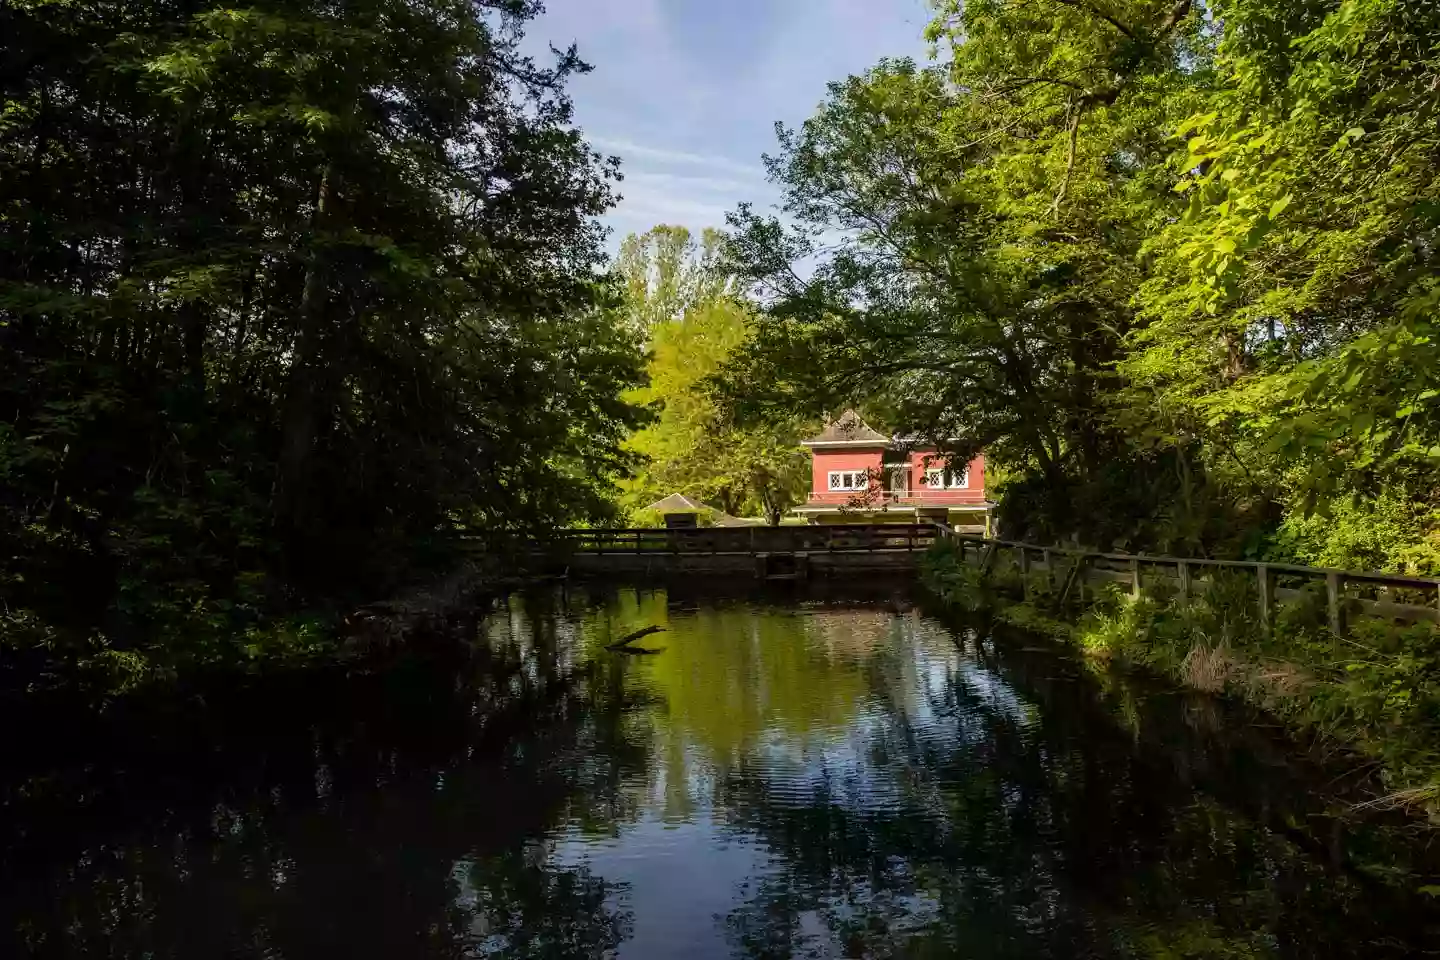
753 541
1381 594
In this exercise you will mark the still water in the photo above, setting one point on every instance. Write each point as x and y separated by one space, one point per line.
782 777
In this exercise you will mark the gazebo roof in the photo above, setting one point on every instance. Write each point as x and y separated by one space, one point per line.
847 428
679 503
725 520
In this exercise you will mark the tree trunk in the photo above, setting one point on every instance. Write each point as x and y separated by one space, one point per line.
302 385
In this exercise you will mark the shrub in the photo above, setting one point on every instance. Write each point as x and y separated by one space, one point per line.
1376 690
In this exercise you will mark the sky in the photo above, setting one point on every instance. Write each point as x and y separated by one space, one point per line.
687 92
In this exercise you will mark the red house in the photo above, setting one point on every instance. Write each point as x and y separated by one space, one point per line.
859 475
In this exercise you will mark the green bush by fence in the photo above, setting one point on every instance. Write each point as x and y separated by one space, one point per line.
1374 691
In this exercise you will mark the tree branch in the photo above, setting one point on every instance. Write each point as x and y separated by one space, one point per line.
1070 162
1092 9
1173 18
1016 84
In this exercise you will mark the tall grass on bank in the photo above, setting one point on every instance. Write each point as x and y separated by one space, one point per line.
1374 692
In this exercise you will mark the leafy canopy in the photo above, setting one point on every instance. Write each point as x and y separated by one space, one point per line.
288 294
678 293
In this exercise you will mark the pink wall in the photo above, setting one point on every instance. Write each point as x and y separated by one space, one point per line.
826 460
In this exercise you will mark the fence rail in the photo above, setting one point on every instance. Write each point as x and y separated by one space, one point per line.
1383 594
753 541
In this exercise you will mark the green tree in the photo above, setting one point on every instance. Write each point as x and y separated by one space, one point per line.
1291 312
286 291
695 325
1171 264
965 239
667 272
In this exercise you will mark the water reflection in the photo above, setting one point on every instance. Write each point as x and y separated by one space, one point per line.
785 780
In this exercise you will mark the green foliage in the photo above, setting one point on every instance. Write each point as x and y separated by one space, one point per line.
1390 530
679 295
1376 691
1290 308
288 295
666 273
961 253
1170 264
953 581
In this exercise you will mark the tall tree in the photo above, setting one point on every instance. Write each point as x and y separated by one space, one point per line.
286 289
683 298
966 238
1292 310
1170 263
666 272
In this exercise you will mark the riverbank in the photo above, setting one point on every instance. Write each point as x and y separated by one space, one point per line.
1372 696
210 654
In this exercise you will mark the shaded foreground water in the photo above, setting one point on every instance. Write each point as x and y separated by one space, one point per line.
787 777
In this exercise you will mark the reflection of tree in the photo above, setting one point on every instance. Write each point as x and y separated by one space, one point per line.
919 798
517 907
395 824
732 678
1055 836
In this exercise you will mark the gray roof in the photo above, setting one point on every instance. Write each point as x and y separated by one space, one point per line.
848 428
679 503
725 520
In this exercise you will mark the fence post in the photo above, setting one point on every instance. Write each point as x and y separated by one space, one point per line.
1134 577
1071 579
1332 601
1262 575
1049 568
1183 569
1024 561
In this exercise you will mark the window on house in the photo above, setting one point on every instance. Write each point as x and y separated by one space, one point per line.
943 478
849 480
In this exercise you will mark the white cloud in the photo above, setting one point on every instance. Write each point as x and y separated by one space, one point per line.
695 202
686 92
627 150
692 183
643 211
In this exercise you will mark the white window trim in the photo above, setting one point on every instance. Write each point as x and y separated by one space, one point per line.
848 476
935 479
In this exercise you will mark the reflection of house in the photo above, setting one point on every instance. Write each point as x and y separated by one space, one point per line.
860 475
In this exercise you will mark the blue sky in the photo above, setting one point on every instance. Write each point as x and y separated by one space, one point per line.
687 92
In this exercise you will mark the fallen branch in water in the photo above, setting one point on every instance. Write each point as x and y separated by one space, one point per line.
630 638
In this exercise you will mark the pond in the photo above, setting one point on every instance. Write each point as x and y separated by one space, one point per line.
783 776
